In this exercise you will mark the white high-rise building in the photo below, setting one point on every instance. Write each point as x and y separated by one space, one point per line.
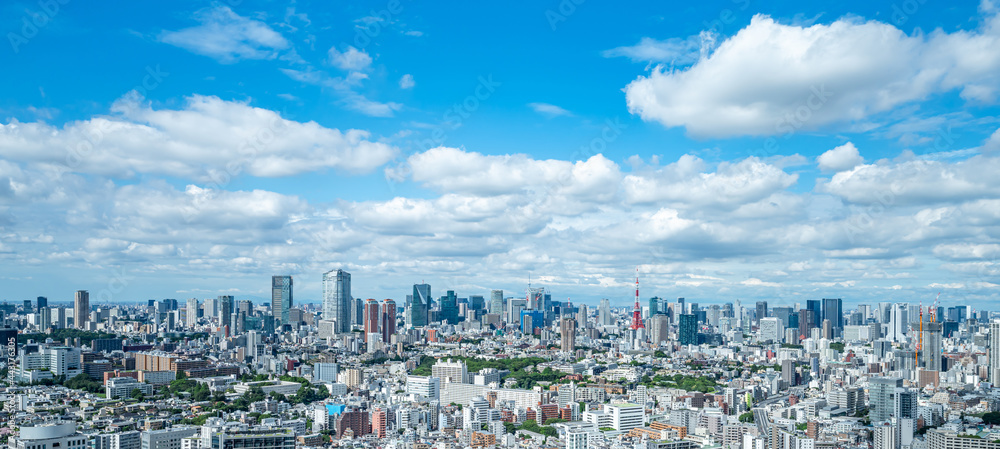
166 438
450 371
191 312
428 387
995 352
325 372
771 329
898 323
625 417
60 434
577 439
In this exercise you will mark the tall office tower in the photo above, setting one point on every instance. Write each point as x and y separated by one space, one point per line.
884 312
337 300
995 352
371 317
191 312
771 329
827 330
581 316
604 313
784 314
687 333
788 373
226 311
738 313
713 314
536 298
388 320
930 346
42 302
419 306
45 317
81 309
357 312
833 310
281 299
898 322
449 307
816 306
496 301
654 306
211 307
866 311
807 321
761 310
659 325
913 311
904 403
881 397
60 317
477 303
680 302
963 313
567 328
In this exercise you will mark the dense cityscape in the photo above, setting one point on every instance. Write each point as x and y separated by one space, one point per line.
526 224
496 370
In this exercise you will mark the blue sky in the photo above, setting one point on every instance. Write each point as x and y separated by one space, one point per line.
734 149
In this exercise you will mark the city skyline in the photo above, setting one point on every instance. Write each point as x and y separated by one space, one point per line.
399 142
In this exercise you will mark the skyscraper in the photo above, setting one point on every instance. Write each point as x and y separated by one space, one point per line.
42 302
371 317
807 320
191 312
226 311
881 397
659 325
388 320
496 301
281 298
567 328
898 323
761 310
449 307
417 309
604 313
833 310
931 346
995 352
81 309
337 300
688 329
816 306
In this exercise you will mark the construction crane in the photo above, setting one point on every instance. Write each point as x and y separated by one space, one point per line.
934 307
